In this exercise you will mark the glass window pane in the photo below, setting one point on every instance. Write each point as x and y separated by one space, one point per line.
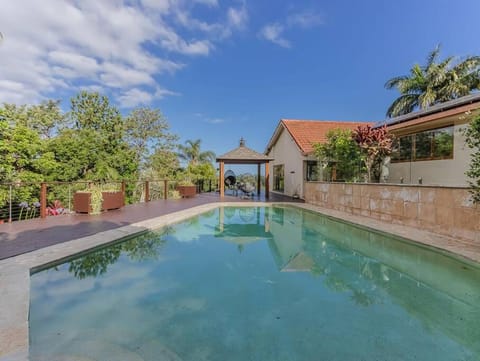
278 178
443 143
312 171
423 145
405 150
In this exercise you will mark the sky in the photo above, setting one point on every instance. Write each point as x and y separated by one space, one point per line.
220 70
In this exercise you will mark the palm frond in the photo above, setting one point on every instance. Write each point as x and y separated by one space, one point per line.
433 55
393 83
403 105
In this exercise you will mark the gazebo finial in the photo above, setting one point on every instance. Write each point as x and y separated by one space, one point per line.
242 142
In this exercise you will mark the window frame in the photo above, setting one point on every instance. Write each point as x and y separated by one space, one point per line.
277 181
413 150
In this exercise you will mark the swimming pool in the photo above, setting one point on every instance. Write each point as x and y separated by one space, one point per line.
254 283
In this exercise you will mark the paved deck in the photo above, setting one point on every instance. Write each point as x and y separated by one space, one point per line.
21 237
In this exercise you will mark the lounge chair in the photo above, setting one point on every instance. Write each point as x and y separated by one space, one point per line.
247 189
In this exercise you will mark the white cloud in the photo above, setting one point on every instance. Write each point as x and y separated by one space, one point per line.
273 33
207 2
306 19
237 17
136 96
119 46
215 121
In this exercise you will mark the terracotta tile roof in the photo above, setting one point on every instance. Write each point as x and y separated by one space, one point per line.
307 132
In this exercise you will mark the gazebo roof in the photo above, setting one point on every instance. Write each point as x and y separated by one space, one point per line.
243 155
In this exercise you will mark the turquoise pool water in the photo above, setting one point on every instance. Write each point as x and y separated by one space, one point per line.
260 284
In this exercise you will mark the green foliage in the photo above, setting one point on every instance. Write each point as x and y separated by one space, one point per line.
95 145
192 154
375 144
340 152
162 164
147 133
436 82
472 134
144 247
43 118
93 141
202 171
96 199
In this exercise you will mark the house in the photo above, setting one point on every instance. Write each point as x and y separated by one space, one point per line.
291 147
430 146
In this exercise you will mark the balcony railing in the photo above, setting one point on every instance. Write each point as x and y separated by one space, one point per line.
26 200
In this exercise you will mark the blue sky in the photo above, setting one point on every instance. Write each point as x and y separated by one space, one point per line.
220 70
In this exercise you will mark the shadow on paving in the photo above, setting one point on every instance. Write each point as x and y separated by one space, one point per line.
31 240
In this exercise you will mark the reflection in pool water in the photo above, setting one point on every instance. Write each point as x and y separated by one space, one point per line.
264 284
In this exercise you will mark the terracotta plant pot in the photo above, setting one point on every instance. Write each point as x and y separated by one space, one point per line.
111 200
187 191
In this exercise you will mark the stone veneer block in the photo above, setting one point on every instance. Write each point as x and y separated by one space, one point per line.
407 194
427 195
445 217
465 219
386 217
385 193
375 205
444 197
426 212
356 201
348 189
365 203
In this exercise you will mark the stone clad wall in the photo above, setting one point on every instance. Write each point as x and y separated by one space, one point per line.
443 210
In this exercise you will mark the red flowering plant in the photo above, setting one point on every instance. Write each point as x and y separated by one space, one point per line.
375 145
55 208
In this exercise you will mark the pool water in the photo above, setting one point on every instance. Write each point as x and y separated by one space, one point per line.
274 283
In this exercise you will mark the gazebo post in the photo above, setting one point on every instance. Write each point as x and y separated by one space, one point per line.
258 178
222 180
267 180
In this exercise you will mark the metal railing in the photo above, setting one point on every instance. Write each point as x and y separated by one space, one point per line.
26 200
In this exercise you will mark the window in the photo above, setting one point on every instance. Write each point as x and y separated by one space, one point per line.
311 171
278 178
427 145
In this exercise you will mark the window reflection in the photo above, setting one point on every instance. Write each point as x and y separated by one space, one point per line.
427 145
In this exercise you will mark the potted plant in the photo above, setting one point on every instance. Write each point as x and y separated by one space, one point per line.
186 188
95 200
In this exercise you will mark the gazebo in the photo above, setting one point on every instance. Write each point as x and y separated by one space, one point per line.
244 155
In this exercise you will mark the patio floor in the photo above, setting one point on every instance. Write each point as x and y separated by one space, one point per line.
26 236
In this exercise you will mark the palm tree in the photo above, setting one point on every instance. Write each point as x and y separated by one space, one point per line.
436 82
190 152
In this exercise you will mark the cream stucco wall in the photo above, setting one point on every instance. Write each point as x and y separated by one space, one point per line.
286 152
447 172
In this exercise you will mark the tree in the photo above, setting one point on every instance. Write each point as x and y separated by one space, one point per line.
43 118
472 135
375 144
191 153
147 131
94 147
341 152
433 83
163 164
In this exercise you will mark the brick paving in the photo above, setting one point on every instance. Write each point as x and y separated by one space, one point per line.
21 237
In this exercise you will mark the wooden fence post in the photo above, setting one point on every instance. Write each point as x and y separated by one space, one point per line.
165 189
123 191
43 200
147 191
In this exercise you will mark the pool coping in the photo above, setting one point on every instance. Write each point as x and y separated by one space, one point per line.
15 271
